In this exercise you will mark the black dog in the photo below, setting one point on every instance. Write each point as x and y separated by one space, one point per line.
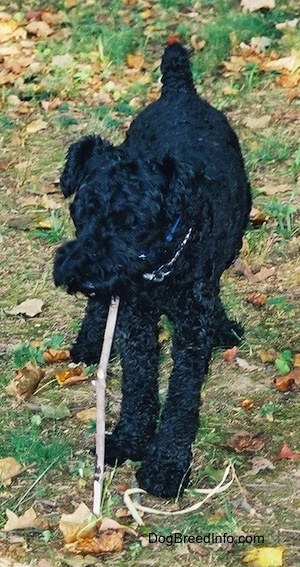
158 219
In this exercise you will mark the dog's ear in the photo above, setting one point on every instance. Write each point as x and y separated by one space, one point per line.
78 155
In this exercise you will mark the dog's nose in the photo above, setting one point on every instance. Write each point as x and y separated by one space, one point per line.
88 288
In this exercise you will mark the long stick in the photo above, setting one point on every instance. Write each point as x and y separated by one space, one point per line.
100 403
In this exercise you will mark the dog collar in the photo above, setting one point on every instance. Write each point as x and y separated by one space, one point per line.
165 269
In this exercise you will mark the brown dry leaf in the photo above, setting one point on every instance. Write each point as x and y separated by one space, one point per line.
197 549
104 543
83 532
86 415
9 562
267 355
39 28
285 383
81 521
288 80
257 123
257 299
243 441
49 204
254 5
258 217
27 520
9 468
230 354
260 464
26 381
233 66
244 365
286 453
247 404
70 377
36 125
122 513
274 189
242 268
197 44
29 307
290 63
296 360
51 355
135 61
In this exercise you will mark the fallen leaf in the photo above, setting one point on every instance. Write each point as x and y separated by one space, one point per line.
260 464
9 468
70 377
62 61
254 5
284 383
135 61
61 411
257 299
247 404
26 381
257 123
50 204
244 365
286 453
39 28
275 189
258 217
6 29
36 125
267 355
29 307
290 63
51 355
73 524
14 522
296 360
265 556
230 354
243 441
197 549
86 415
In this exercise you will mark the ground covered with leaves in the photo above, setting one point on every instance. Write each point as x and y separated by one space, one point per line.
74 67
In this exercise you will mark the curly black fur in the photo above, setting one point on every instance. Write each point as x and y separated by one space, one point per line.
176 184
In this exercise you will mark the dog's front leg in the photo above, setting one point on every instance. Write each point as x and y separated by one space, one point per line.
166 466
138 344
88 344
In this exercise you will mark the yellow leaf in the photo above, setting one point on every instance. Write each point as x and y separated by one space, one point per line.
265 556
146 14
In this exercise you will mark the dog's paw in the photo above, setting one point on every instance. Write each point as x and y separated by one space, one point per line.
164 475
119 449
81 354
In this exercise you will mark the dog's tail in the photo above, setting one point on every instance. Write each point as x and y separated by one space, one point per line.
176 69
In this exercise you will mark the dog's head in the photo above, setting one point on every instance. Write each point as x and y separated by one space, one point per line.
126 211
